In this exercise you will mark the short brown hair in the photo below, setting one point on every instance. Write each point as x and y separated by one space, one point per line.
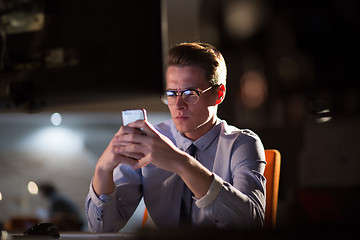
203 55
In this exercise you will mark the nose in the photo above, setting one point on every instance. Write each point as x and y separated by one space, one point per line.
180 103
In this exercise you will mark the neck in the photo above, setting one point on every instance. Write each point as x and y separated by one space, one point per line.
201 130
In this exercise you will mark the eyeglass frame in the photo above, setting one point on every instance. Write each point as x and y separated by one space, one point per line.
181 93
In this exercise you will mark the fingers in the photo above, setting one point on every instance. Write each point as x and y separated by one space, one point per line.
125 135
123 146
132 143
141 163
127 139
139 132
110 159
145 127
121 149
120 159
128 130
128 153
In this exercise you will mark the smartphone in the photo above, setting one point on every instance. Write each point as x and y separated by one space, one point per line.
132 115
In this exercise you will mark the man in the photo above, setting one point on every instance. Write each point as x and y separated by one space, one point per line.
62 211
220 185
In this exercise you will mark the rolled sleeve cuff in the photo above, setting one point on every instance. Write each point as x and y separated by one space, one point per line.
101 200
212 193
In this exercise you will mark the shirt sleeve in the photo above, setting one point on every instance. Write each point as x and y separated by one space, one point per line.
109 213
97 210
212 193
240 201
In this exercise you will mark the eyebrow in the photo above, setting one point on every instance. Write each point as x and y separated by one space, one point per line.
190 88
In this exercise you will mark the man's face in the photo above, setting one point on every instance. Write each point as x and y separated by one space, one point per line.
193 120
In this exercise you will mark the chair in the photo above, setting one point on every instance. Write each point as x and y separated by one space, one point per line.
272 175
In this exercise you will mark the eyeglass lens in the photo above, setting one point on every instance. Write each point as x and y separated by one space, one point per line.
189 96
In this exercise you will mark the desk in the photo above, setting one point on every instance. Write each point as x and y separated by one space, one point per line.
75 236
97 236
317 232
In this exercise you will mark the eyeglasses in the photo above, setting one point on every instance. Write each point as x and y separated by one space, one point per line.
190 96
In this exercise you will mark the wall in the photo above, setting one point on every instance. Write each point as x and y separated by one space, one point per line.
32 149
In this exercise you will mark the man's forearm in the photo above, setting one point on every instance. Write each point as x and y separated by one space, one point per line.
103 182
196 177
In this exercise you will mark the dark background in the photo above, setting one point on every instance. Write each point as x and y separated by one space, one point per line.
305 54
319 185
106 49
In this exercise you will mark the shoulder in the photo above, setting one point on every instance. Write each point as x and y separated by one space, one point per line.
164 126
232 132
246 146
167 128
242 141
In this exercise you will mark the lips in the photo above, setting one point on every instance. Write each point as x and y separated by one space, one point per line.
181 118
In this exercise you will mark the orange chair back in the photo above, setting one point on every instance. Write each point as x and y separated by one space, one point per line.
272 175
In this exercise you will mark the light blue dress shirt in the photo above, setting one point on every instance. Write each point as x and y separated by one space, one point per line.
235 199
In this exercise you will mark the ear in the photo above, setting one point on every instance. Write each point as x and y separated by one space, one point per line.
221 94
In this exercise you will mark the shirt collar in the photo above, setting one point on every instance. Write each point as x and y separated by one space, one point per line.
203 142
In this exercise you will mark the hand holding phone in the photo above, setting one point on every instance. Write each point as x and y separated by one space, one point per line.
129 116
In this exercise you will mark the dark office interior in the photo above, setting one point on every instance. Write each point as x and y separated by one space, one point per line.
293 78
